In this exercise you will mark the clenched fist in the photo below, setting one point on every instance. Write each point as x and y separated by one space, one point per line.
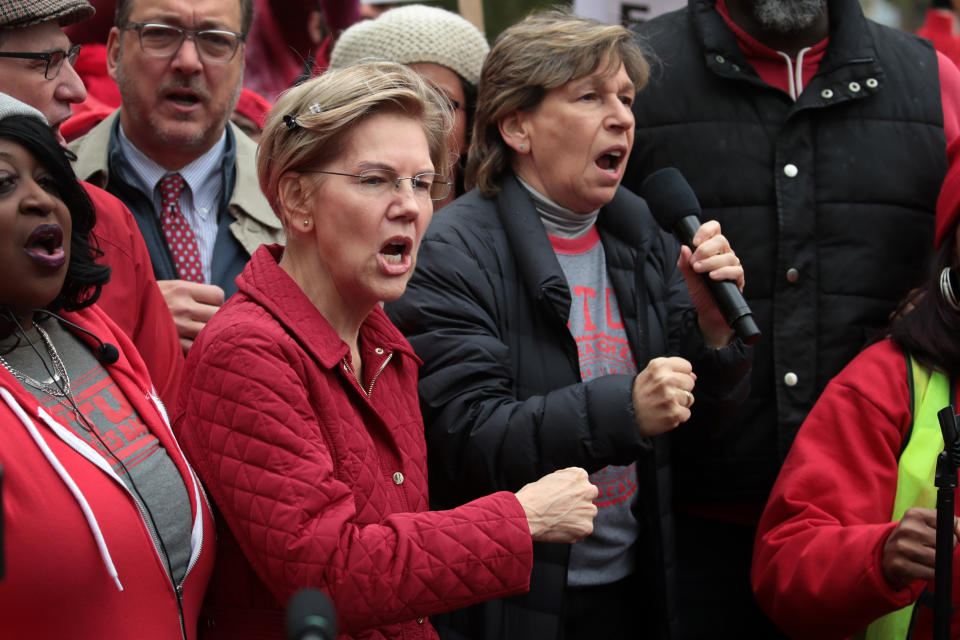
663 395
559 506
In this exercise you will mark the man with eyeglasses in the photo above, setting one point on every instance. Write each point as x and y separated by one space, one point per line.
36 67
171 154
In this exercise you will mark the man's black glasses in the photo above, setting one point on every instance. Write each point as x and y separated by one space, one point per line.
54 59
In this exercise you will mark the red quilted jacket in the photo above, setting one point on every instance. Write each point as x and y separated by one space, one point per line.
324 484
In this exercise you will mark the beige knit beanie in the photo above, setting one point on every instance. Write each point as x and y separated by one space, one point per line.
12 107
415 33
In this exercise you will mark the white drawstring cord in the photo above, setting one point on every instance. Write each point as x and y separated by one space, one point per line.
67 480
794 72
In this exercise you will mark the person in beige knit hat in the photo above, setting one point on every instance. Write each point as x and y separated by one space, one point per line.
439 45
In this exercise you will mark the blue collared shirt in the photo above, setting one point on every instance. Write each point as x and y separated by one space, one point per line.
200 198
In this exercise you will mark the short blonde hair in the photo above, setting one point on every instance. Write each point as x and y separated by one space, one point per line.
310 123
542 52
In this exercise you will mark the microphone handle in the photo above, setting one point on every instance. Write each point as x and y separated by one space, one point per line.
725 293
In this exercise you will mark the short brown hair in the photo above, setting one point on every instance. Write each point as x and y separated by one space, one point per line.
121 15
310 123
542 52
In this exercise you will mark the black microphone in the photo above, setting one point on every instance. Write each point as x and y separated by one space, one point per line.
310 616
106 353
675 208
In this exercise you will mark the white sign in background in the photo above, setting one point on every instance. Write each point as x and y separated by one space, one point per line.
625 12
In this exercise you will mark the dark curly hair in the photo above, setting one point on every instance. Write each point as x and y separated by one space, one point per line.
85 278
924 324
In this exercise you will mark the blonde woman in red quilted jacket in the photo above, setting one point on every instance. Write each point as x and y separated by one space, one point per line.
300 409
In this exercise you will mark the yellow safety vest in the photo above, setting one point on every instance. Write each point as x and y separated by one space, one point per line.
929 393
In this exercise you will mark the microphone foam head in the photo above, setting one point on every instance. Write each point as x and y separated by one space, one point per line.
107 353
310 614
669 196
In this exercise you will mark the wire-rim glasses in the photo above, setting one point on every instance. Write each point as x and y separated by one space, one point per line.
380 182
54 59
164 40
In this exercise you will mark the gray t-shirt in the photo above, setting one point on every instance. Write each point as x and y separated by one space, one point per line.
597 328
119 430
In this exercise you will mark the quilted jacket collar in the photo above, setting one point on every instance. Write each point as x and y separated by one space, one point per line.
264 282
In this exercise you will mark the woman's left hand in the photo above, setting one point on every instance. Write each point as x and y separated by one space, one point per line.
715 258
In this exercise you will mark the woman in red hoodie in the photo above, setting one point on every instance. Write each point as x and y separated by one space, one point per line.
106 530
300 406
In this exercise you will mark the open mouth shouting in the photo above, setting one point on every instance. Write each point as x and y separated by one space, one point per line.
186 98
183 98
45 246
396 255
611 160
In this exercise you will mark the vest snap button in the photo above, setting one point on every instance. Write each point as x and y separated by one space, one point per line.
720 59
790 170
398 478
793 274
854 87
872 83
790 379
826 94
378 351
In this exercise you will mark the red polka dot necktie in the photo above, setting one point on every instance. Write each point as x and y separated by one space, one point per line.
180 238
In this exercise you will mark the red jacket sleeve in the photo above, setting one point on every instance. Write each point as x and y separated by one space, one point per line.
132 298
250 429
816 565
949 96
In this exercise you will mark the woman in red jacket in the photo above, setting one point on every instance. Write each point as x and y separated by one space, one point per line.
107 534
300 404
847 541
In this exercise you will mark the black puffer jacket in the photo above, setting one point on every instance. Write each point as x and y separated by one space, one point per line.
500 386
829 203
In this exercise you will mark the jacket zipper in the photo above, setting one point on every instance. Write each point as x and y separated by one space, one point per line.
141 509
202 500
177 588
383 366
369 391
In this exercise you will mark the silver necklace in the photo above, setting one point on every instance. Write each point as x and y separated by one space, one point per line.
59 385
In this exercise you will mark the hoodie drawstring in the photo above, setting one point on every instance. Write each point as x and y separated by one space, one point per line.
69 482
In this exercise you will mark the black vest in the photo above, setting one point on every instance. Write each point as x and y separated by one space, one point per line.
829 202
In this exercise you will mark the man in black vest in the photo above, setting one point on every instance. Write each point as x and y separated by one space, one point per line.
818 139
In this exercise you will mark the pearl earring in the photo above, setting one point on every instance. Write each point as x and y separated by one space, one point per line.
523 147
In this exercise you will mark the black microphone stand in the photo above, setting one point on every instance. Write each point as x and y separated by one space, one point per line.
946 482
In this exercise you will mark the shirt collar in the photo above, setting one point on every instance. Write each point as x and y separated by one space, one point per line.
196 174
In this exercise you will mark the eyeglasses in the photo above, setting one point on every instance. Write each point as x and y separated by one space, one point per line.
54 59
379 182
164 40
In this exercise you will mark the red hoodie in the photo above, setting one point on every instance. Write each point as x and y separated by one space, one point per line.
58 581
